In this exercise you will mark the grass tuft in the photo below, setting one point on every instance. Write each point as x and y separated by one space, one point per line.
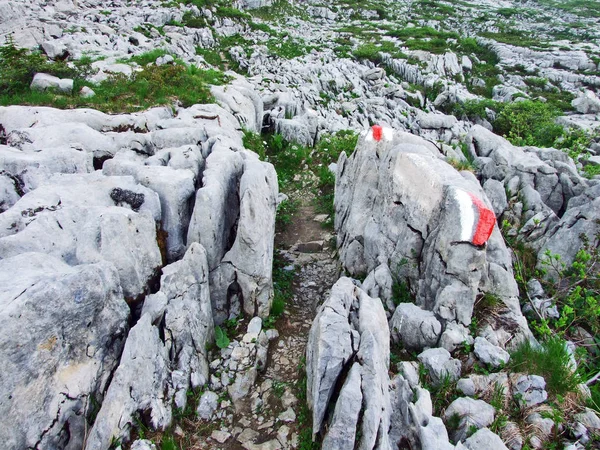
550 360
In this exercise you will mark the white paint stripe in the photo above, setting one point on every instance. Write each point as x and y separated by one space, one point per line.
467 214
388 133
369 137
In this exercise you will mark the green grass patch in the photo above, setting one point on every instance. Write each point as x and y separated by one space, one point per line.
150 87
550 360
328 151
150 57
282 289
515 37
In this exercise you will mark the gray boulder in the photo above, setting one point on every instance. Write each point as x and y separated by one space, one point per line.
63 135
471 414
379 284
403 214
350 324
454 336
64 328
440 365
489 353
565 239
139 384
342 433
529 390
587 103
330 346
484 439
143 444
415 328
248 263
164 356
207 405
44 82
87 218
31 169
175 189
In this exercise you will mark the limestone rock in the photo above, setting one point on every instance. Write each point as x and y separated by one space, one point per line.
415 328
207 405
64 329
76 218
471 413
403 214
440 365
44 82
530 390
140 382
350 323
489 353
484 438
161 362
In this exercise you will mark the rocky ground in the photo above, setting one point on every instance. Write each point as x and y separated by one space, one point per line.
445 298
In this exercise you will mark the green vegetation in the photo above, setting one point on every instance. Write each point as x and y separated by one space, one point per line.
575 290
279 10
585 8
426 38
515 37
328 151
221 338
372 52
303 414
150 57
401 293
282 290
442 394
287 158
529 123
152 86
550 360
484 66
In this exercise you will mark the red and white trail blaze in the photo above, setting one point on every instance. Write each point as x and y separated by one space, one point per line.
476 220
377 133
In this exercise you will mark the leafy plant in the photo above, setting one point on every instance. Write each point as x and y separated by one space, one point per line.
529 123
221 338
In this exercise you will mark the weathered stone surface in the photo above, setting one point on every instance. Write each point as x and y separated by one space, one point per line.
484 438
76 218
440 365
342 432
164 356
30 169
530 390
472 414
407 214
330 346
44 82
64 329
348 319
379 283
207 405
143 444
489 353
174 187
415 328
454 336
141 383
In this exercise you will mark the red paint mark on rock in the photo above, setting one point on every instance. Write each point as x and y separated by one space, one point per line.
377 132
486 222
